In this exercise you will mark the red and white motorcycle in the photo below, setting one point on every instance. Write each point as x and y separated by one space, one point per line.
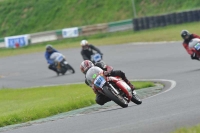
194 44
113 87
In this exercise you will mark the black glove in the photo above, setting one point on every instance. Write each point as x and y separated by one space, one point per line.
101 55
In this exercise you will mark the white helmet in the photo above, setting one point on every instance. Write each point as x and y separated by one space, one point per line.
84 42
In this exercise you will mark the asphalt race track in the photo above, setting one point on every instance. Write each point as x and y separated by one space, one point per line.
163 113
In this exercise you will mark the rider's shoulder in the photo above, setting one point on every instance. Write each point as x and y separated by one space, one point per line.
91 45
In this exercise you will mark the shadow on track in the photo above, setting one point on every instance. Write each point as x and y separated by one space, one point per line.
108 109
195 70
57 76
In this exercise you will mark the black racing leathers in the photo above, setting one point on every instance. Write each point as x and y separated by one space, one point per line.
88 51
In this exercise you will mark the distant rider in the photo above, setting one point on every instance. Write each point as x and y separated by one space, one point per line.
108 71
187 38
88 50
50 50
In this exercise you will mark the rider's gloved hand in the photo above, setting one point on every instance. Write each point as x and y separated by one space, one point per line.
106 73
101 55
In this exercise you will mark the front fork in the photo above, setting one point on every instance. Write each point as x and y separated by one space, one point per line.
58 67
116 91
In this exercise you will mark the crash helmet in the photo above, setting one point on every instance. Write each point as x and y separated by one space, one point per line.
84 44
85 66
49 48
185 34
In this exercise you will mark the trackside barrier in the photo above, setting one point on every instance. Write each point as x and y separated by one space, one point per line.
59 33
120 25
2 44
166 19
17 41
93 29
43 37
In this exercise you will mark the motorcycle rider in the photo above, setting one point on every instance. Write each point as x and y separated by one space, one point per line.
108 71
187 37
50 50
88 50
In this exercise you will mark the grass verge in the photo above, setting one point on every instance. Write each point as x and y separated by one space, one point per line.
168 33
195 129
22 105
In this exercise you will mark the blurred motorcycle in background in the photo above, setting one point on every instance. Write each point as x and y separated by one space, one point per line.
61 64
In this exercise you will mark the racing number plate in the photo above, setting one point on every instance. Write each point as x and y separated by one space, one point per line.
197 46
99 81
97 57
60 58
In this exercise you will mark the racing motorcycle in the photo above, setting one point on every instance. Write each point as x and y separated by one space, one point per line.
61 64
113 87
96 57
194 45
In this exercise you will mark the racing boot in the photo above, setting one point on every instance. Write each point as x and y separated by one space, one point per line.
135 97
54 69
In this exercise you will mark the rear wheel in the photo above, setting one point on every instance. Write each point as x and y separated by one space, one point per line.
63 69
118 99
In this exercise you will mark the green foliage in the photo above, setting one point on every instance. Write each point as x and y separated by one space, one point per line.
195 129
141 84
152 7
22 105
30 16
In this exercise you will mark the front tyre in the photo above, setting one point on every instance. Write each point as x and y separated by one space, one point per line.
118 99
69 67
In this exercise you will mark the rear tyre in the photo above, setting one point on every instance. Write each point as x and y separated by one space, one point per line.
118 99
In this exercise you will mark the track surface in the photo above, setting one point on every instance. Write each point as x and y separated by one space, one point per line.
160 114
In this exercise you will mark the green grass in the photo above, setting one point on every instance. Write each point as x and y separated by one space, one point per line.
194 129
30 16
142 84
168 33
22 105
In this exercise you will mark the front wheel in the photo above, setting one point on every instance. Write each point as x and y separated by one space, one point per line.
118 99
69 67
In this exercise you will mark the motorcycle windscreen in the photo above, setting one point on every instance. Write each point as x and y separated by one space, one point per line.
92 74
59 58
99 81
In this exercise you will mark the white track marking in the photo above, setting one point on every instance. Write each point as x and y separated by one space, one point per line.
173 84
147 43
